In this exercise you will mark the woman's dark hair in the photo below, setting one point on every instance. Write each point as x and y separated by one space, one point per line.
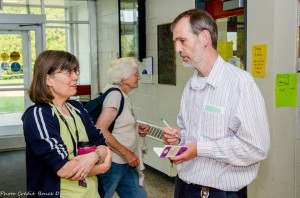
200 20
47 63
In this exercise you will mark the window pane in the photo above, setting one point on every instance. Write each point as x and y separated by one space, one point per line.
79 46
35 10
231 42
129 28
13 10
55 14
10 43
56 39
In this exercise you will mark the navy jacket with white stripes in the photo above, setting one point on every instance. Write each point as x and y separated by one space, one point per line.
46 152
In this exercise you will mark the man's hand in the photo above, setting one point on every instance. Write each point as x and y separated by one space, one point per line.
169 137
190 153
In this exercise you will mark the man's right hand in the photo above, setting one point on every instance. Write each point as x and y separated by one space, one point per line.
169 137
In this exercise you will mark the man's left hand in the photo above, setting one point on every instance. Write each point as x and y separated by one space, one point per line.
190 153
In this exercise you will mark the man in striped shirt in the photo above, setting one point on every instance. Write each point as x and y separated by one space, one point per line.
222 118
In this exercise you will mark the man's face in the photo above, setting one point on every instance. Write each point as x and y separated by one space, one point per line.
187 44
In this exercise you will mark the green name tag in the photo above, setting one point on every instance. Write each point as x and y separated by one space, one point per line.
213 109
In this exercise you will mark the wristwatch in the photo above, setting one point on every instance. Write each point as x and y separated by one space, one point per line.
99 156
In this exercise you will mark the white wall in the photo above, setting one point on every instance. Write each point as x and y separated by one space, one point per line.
274 22
271 22
108 36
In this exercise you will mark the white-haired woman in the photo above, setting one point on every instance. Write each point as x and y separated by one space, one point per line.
124 176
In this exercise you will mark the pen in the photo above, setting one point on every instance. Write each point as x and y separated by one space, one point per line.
167 125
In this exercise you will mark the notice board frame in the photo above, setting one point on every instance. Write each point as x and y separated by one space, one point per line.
166 55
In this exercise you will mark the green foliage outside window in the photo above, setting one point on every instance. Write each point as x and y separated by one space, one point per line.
55 38
127 45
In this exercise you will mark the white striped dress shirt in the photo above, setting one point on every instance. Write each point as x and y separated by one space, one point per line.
227 118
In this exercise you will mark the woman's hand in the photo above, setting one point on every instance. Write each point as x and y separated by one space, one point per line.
85 162
143 129
132 159
104 165
78 167
103 151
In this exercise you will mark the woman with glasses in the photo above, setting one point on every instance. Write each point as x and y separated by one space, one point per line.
64 150
124 176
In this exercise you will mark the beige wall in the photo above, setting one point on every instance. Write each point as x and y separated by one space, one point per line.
108 36
150 101
271 22
274 22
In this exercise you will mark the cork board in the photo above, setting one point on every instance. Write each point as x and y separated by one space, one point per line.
166 55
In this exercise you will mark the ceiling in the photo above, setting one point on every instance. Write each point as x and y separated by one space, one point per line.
64 3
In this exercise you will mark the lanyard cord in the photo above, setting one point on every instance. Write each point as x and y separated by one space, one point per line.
76 130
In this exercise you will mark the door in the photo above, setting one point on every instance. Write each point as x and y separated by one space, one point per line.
18 50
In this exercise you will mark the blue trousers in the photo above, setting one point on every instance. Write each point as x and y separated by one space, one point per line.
122 179
185 190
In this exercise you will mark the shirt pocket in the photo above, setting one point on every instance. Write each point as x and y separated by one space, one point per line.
212 125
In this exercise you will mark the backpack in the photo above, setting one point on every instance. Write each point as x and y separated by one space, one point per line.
94 107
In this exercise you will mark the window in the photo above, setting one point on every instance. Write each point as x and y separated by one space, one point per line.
231 29
231 32
132 28
59 25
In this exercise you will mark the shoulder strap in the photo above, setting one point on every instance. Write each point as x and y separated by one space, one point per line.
122 98
111 127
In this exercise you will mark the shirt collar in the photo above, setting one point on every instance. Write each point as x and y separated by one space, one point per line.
217 72
214 76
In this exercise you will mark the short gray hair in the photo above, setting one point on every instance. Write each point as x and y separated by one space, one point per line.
120 69
200 20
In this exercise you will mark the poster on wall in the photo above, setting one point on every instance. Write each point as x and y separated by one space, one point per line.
259 60
166 55
287 90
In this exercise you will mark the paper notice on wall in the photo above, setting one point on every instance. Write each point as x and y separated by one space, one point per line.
259 59
286 90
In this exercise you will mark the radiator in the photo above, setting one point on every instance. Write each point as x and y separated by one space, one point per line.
154 139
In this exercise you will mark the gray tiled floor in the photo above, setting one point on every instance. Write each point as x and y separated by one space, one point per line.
12 177
158 185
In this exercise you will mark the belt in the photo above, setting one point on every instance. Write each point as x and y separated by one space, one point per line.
204 192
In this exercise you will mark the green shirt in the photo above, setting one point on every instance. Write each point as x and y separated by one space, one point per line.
70 188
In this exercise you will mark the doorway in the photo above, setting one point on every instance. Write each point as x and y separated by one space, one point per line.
19 45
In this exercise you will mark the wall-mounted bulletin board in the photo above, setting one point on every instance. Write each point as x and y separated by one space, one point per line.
166 55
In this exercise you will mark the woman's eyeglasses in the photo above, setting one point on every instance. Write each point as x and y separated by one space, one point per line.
67 73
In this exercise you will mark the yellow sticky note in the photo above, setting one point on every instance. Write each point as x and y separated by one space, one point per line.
286 90
225 49
259 59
